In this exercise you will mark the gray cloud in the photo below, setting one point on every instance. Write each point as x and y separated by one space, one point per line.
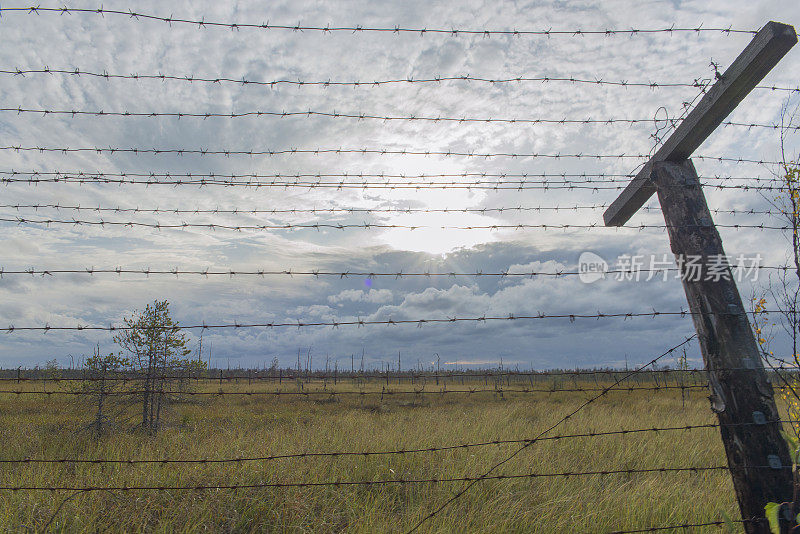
123 46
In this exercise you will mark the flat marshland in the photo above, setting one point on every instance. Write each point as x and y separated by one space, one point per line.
40 426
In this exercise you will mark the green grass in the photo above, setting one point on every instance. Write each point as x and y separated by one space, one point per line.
39 426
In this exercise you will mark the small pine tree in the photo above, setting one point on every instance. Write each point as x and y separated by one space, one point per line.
158 351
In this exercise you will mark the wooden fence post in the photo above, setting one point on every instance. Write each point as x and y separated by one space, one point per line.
741 393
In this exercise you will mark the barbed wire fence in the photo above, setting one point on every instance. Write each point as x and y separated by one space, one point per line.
593 384
646 371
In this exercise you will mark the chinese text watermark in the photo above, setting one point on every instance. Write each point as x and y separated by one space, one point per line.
690 268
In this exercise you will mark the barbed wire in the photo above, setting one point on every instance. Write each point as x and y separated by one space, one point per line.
670 124
543 178
312 375
385 392
496 177
76 71
332 83
607 177
312 211
488 185
572 317
204 182
542 434
345 453
311 151
360 29
345 274
687 525
351 211
371 226
366 116
434 480
362 151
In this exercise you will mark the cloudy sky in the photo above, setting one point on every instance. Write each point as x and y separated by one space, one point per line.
121 45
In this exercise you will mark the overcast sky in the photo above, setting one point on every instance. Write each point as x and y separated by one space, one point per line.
123 45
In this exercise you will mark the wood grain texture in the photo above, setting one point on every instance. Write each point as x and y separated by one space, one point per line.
739 385
766 49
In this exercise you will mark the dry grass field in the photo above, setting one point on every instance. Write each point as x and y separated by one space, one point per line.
231 426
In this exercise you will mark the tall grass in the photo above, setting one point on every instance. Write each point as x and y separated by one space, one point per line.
231 426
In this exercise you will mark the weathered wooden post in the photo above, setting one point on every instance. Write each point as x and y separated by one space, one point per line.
741 394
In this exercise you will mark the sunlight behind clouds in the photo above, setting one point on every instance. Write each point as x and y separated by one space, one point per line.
438 240
344 240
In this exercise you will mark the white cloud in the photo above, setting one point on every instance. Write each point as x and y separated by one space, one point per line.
315 310
121 45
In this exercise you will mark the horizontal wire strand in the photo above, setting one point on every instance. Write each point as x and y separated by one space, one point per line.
385 392
362 151
322 211
335 454
565 474
77 72
422 178
360 29
366 116
374 226
629 269
364 322
488 185
258 376
688 525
